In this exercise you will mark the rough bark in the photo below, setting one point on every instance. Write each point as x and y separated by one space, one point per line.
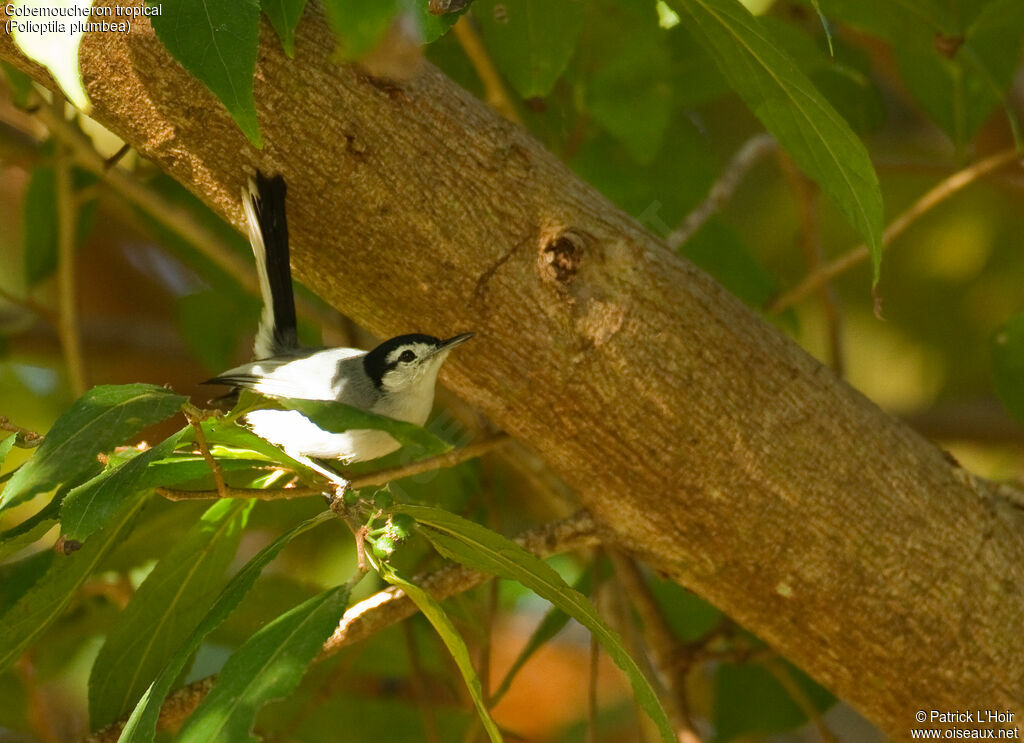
710 444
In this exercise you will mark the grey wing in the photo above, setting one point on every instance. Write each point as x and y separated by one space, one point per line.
328 374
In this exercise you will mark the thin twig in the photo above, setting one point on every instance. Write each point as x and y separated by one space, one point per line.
722 190
371 479
195 419
387 607
942 191
67 328
26 439
494 89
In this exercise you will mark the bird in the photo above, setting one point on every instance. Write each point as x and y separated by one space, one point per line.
396 379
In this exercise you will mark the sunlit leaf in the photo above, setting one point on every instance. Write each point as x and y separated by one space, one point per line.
29 530
482 549
141 726
5 447
87 507
97 422
790 107
216 41
164 610
268 666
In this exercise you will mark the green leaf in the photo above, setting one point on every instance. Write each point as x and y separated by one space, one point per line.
337 417
531 41
40 219
87 507
17 577
453 641
268 666
21 625
97 422
39 215
141 726
5 447
188 467
751 702
57 52
1008 365
216 41
360 25
30 529
433 27
790 107
482 549
630 91
165 609
284 16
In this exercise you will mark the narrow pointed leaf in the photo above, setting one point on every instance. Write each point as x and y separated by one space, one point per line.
453 641
87 507
164 611
46 600
216 41
268 666
39 220
792 109
482 549
284 16
141 726
5 448
97 422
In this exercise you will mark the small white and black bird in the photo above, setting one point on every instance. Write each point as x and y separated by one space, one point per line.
395 379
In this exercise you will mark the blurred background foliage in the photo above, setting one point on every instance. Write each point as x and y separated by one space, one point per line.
624 93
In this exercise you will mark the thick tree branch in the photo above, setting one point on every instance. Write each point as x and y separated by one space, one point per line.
710 444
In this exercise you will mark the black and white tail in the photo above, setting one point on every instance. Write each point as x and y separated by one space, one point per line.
264 205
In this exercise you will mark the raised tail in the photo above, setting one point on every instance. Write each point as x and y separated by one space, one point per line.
267 224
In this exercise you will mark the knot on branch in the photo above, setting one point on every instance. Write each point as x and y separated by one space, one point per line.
560 257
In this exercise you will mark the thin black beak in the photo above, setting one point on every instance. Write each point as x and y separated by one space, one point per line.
451 343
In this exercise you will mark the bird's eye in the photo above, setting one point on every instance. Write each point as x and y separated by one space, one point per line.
407 356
